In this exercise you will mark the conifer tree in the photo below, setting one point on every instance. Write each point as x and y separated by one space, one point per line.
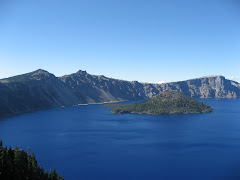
15 164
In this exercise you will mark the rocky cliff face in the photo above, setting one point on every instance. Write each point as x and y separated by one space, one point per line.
101 89
41 90
205 87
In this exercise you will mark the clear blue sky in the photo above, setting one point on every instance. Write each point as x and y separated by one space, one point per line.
144 40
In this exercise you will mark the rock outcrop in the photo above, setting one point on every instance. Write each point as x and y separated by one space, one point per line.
206 87
102 89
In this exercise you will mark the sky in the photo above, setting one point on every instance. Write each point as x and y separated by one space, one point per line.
144 40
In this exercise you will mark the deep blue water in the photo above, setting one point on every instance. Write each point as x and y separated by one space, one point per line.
90 143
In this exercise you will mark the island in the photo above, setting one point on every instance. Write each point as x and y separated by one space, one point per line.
167 102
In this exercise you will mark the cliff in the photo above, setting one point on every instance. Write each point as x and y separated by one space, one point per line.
206 87
102 89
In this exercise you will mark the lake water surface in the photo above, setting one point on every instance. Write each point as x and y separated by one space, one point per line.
90 143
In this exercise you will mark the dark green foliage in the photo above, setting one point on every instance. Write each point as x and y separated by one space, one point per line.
167 102
15 164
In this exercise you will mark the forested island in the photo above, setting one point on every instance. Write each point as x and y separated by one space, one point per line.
167 102
15 164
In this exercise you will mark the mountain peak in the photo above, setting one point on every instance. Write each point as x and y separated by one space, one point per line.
41 71
38 74
82 72
213 76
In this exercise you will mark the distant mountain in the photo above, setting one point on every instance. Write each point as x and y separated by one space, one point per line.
167 102
42 90
206 87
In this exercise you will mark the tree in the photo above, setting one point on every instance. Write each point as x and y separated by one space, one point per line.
15 164
53 175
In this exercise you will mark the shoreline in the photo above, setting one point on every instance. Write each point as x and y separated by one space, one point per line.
99 103
43 109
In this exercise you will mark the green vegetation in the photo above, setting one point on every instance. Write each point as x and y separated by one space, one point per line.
15 164
167 102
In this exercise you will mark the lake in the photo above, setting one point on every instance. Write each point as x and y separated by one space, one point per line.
90 143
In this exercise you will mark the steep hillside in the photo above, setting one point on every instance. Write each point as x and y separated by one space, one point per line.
102 89
34 91
167 102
